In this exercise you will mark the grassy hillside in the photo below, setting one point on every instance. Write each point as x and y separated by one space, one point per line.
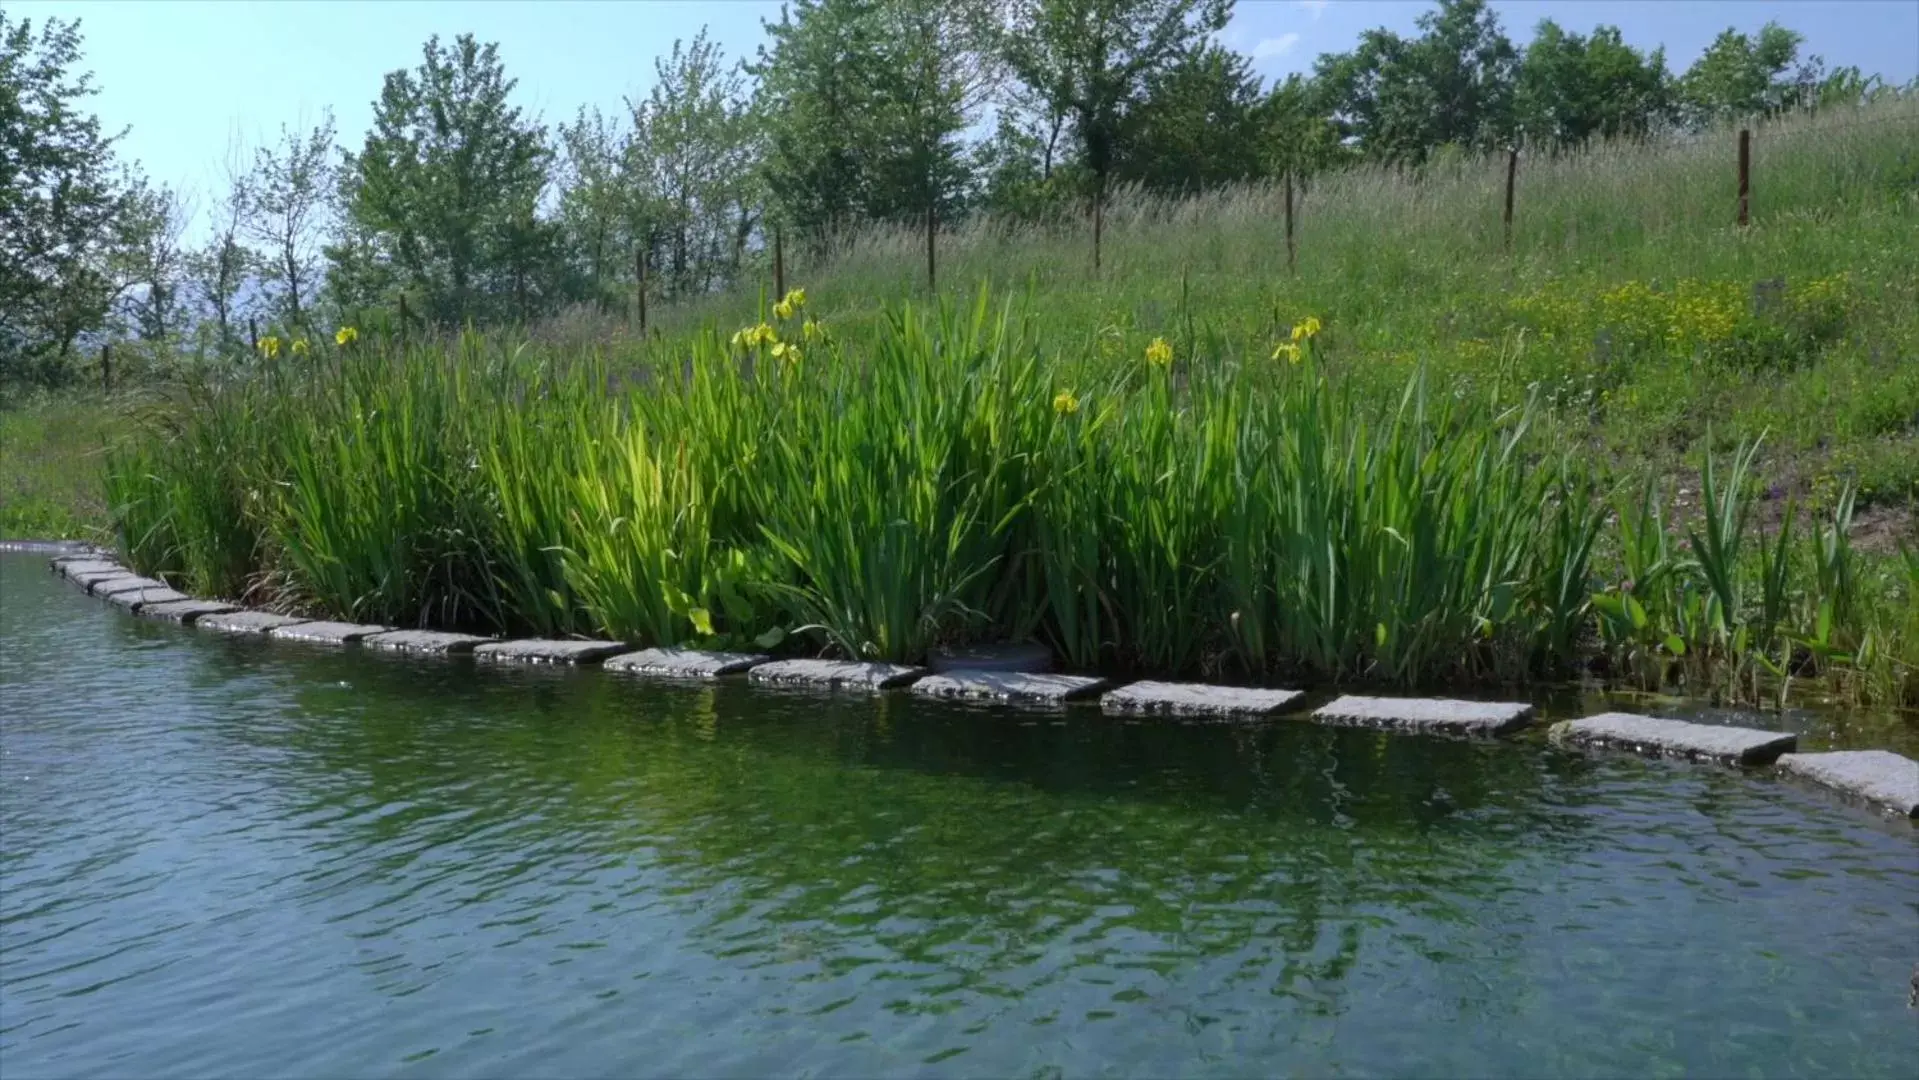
1417 459
1630 300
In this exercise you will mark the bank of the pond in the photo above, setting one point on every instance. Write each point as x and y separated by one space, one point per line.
1877 778
229 856
942 481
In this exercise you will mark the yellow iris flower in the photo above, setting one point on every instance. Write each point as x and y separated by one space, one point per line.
1065 404
300 346
1159 353
1287 351
345 335
269 346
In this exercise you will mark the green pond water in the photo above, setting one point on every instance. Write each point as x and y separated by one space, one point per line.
224 857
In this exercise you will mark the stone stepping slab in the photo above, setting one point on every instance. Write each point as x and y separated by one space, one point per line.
685 663
86 579
1010 687
136 598
323 632
65 549
547 651
1880 777
73 568
1437 715
1026 657
1657 737
68 551
1197 699
108 584
186 612
835 674
247 622
425 642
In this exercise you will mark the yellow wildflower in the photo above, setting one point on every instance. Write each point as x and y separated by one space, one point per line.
269 346
299 346
1065 404
783 310
345 335
1287 351
814 330
1159 353
1306 330
782 351
795 299
749 336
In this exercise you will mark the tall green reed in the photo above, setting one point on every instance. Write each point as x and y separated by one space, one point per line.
943 478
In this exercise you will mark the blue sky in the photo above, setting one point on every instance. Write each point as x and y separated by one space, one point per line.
186 78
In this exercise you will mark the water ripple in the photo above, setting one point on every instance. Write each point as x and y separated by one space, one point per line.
229 857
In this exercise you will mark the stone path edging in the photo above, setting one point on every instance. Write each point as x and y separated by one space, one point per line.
1442 715
1659 737
1010 687
1880 777
661 663
542 651
1197 699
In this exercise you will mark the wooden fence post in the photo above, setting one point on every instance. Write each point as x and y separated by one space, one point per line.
639 274
106 368
1506 221
931 225
253 335
1291 266
1099 200
1745 176
779 264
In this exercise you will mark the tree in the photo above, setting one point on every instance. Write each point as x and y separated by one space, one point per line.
1740 76
222 265
443 195
286 202
66 220
1092 60
1401 98
685 147
1199 126
937 70
816 88
1571 88
597 208
1296 136
156 263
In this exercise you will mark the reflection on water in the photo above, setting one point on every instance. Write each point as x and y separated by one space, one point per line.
229 857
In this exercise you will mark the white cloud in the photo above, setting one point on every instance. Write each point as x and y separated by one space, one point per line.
1275 46
1317 7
